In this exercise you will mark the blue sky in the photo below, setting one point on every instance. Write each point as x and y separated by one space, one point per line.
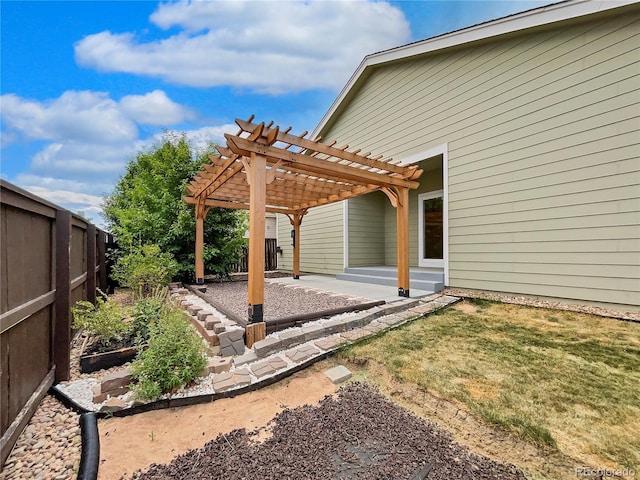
87 85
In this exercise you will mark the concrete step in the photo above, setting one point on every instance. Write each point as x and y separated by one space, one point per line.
432 274
425 285
429 280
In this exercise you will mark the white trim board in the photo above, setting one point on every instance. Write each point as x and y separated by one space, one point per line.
424 155
423 262
345 234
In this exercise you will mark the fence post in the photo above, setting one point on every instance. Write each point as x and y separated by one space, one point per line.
91 263
102 260
62 305
109 264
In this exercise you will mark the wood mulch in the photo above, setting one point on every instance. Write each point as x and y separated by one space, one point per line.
356 435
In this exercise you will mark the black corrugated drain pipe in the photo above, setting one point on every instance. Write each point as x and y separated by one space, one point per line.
90 457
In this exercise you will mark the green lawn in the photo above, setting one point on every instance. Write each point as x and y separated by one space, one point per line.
563 380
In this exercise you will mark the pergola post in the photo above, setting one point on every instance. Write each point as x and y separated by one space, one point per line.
200 214
256 176
402 226
296 220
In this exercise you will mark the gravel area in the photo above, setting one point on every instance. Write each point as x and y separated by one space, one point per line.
536 302
49 447
279 300
359 434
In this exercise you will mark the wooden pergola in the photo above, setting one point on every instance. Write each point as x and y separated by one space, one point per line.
265 169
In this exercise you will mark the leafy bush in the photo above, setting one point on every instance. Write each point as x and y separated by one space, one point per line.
146 207
174 357
144 269
147 311
104 320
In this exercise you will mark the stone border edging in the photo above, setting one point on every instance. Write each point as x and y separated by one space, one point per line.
90 456
193 400
209 299
210 397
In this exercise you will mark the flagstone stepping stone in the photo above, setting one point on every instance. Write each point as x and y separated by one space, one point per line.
425 308
353 335
229 380
374 327
338 374
329 343
302 353
267 367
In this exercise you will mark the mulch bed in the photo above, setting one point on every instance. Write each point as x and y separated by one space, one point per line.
94 346
358 435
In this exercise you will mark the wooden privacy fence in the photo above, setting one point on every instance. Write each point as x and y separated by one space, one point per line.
50 259
270 257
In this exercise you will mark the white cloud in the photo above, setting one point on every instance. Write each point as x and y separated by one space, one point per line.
51 183
83 160
68 197
81 156
78 176
155 108
268 47
88 205
75 116
88 117
202 137
89 136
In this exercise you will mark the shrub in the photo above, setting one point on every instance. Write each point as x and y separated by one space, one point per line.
147 311
146 206
104 320
174 357
144 269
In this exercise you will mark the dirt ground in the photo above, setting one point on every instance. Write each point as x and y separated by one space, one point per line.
131 443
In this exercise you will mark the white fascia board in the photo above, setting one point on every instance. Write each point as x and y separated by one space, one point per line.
548 14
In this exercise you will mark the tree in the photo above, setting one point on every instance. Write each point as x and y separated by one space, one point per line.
146 207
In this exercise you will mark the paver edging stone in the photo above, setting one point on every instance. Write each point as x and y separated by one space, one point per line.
292 336
192 400
209 397
266 346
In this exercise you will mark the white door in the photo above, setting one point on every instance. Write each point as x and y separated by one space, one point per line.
430 229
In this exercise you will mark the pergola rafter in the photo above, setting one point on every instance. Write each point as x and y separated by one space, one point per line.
265 169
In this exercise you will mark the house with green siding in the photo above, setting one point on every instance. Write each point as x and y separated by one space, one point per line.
528 131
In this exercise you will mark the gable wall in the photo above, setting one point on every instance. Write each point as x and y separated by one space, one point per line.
543 138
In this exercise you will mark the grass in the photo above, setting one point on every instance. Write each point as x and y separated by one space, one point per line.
563 380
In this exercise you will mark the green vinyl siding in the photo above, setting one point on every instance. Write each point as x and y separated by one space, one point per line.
367 230
321 244
543 136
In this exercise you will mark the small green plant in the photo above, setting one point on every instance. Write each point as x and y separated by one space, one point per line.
174 357
104 320
147 311
144 269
